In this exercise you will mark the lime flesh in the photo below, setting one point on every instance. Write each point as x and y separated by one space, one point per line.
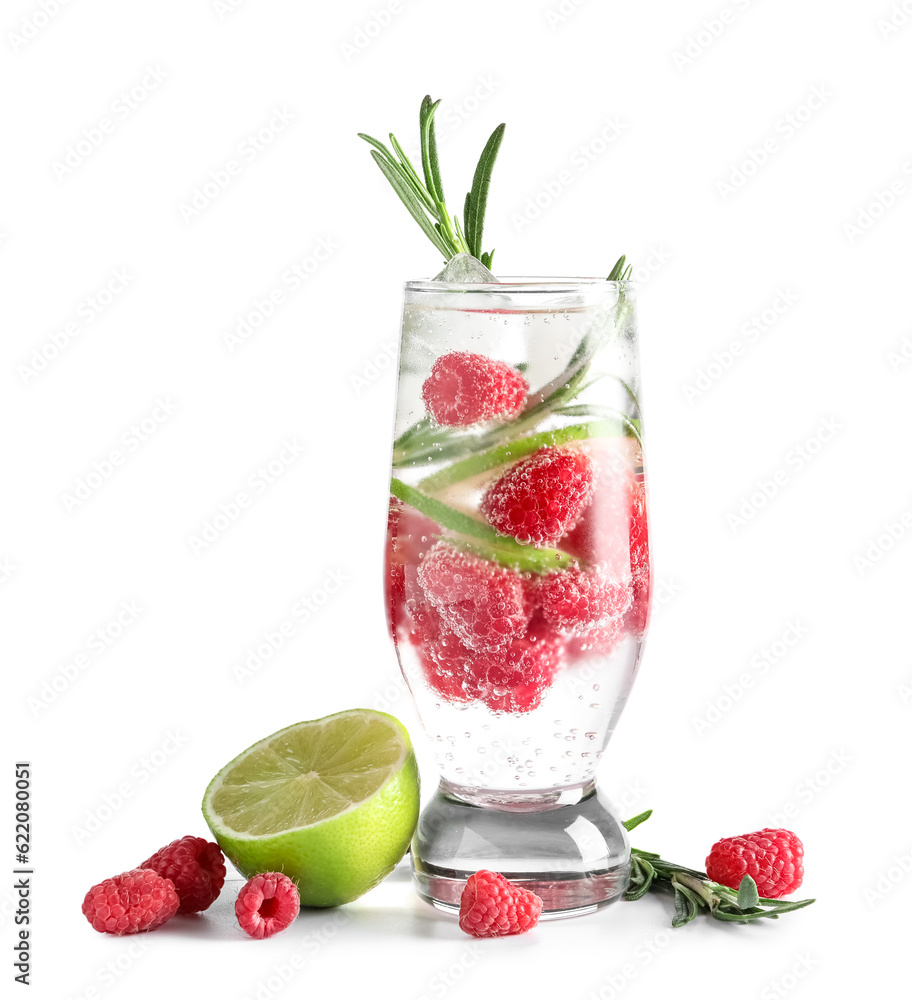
332 803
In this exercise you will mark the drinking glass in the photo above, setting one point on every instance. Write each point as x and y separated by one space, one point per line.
518 574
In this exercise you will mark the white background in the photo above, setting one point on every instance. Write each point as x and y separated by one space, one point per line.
122 751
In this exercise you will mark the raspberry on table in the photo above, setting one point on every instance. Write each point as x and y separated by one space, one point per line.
491 906
195 866
138 900
772 857
579 600
484 604
267 904
465 388
540 497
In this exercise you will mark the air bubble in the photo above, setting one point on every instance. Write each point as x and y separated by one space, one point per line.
591 736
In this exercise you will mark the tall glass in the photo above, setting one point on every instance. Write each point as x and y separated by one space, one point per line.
518 574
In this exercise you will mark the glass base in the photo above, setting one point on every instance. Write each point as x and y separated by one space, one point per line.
566 846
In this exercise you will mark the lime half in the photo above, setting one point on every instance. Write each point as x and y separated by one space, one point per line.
332 803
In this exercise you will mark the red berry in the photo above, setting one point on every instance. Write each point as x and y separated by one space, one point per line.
444 660
465 388
409 533
138 900
516 678
267 904
197 869
483 603
638 615
427 625
579 600
772 858
601 641
512 678
409 536
493 907
602 533
613 530
540 497
395 597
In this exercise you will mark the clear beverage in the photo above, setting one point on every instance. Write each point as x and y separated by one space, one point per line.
517 574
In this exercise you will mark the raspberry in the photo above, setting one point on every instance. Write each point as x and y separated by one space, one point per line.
427 625
395 596
409 536
510 679
493 907
602 533
638 616
138 900
197 869
614 530
772 858
444 661
267 904
409 533
483 603
601 641
514 680
465 388
578 600
540 497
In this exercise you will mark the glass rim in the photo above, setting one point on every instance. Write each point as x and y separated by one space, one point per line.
521 284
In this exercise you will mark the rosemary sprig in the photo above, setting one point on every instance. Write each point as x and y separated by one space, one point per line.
425 201
476 202
482 538
621 270
695 893
615 425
